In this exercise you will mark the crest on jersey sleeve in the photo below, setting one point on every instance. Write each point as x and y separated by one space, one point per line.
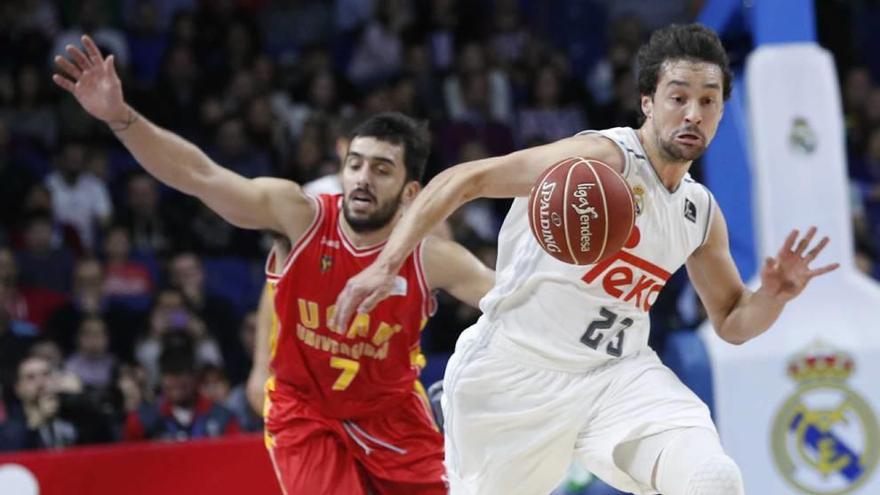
825 435
326 263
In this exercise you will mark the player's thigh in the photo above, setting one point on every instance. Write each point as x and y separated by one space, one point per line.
644 399
510 428
406 449
319 465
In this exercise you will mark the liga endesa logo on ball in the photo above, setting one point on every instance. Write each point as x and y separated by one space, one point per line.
581 211
585 213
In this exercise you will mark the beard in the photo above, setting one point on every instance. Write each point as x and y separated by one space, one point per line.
376 220
676 152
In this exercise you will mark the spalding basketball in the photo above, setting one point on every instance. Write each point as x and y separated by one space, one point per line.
581 211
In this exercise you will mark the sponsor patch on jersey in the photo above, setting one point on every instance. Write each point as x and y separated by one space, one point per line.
690 210
331 243
400 286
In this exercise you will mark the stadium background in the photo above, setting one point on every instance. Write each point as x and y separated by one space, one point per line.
267 88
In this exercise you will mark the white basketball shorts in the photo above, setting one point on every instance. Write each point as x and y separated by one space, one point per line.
513 426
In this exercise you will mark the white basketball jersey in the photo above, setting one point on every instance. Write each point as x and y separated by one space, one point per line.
577 317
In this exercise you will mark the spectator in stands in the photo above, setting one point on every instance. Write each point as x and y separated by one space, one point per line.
92 362
87 299
181 412
476 93
153 230
14 301
510 34
378 54
289 27
43 263
856 88
16 339
35 423
49 350
214 385
33 118
548 116
51 413
187 275
171 315
176 93
872 108
233 149
866 175
623 108
429 94
37 15
124 277
15 180
92 18
132 390
263 127
79 198
237 369
147 39
320 99
310 159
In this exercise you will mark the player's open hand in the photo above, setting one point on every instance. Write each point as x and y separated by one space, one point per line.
361 294
92 80
785 276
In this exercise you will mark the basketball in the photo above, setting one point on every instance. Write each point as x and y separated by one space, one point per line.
581 211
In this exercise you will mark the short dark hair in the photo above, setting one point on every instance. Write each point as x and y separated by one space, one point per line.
396 128
178 355
693 42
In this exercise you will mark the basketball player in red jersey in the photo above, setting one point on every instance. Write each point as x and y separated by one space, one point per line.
345 413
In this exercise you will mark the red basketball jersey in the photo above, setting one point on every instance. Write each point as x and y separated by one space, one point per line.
373 364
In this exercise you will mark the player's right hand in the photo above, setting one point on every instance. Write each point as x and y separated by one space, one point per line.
92 80
362 293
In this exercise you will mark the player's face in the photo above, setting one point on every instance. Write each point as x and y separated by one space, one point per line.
374 183
684 112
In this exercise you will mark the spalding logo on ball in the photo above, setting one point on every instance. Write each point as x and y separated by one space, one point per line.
581 211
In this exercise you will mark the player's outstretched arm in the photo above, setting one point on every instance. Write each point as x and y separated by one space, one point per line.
257 204
737 313
454 269
498 177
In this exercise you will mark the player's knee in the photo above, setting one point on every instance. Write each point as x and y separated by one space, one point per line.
717 475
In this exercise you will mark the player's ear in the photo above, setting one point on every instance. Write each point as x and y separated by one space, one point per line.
647 106
410 191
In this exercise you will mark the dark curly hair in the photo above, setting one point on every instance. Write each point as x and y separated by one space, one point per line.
693 42
398 129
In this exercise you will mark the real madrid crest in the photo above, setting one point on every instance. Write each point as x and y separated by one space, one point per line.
638 191
825 435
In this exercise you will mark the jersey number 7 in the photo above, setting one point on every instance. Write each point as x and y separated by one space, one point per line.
349 369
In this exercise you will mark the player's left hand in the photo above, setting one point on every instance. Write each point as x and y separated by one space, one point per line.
362 293
785 276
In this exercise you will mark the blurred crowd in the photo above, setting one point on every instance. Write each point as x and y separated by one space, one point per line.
127 308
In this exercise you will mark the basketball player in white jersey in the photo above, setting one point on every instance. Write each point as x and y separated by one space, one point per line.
558 365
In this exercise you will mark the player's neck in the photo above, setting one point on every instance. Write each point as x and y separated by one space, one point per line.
669 171
366 238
